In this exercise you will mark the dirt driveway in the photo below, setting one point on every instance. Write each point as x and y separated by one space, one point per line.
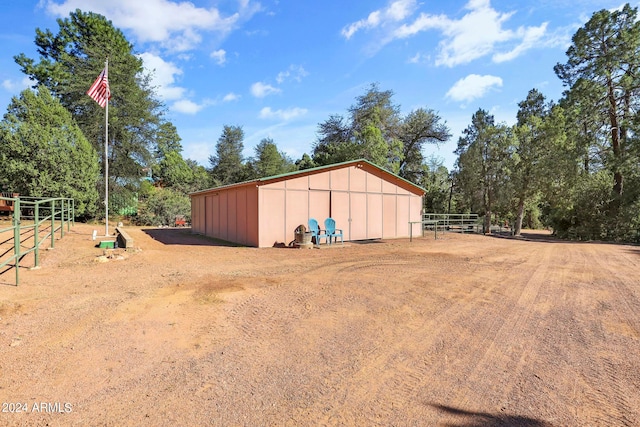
461 331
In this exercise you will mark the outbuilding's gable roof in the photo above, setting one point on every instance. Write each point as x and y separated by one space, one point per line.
408 185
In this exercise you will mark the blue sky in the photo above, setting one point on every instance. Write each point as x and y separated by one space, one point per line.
278 68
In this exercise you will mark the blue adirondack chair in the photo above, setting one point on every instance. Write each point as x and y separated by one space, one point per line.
316 232
332 231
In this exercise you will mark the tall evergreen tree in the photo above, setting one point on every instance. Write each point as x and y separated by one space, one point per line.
376 131
602 67
269 161
484 153
530 152
227 164
69 63
44 153
419 127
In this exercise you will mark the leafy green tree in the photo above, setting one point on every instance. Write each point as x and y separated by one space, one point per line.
167 140
171 170
484 153
305 162
162 207
418 128
602 67
370 132
530 154
586 126
371 145
376 131
69 63
227 164
335 142
268 161
201 178
437 181
376 107
44 153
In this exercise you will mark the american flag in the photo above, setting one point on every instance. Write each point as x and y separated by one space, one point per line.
99 90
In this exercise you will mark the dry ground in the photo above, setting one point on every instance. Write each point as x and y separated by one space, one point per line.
461 331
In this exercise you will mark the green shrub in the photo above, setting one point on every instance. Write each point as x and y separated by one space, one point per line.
162 206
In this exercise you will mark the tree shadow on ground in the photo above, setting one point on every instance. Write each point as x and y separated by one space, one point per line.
485 419
367 241
549 238
184 236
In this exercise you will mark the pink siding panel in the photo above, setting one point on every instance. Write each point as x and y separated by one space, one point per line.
202 212
340 211
319 205
279 184
374 216
196 218
253 237
389 216
297 212
301 183
340 179
213 216
241 214
402 190
232 216
222 214
358 223
357 179
208 215
320 181
374 184
271 207
389 188
194 215
416 208
403 203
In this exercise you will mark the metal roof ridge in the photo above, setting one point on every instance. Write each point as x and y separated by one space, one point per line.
305 171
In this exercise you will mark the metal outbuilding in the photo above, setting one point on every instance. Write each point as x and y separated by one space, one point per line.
366 201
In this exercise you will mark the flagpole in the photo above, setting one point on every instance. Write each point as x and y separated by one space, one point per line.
106 157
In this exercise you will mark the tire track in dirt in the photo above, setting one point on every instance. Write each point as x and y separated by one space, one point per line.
395 381
607 385
560 338
330 303
489 352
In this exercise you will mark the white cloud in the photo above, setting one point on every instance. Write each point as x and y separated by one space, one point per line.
468 38
530 38
230 97
220 56
478 33
198 150
373 20
163 76
472 87
176 25
422 23
294 72
187 107
17 86
260 90
395 12
291 113
418 58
